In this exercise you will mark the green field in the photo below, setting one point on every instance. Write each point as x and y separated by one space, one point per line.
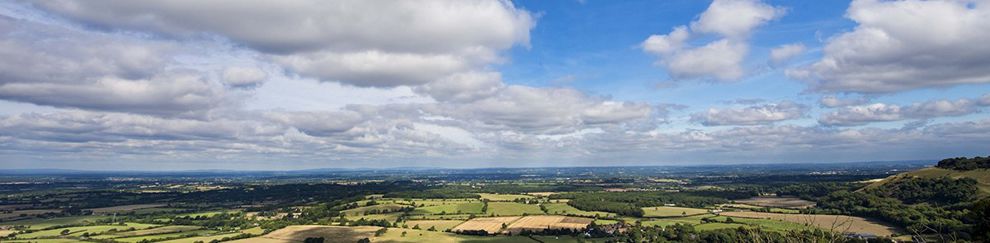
391 217
160 237
769 224
45 241
151 231
502 197
394 235
512 209
452 208
564 209
693 220
46 223
391 207
77 231
203 238
672 211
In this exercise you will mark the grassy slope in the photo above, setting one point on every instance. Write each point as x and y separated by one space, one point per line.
981 175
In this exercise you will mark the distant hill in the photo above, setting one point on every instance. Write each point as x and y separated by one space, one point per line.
982 176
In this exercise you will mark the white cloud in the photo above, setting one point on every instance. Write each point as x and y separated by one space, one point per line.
735 18
831 101
905 45
61 67
785 52
880 112
244 77
752 115
462 87
732 20
363 43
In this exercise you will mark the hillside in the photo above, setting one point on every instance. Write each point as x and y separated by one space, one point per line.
980 175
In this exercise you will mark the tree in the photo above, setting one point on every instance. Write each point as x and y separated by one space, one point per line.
314 240
365 240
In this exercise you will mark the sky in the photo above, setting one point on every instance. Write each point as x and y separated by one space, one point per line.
296 84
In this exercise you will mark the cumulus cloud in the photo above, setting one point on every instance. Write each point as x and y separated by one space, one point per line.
363 43
244 77
62 67
831 101
905 45
785 52
752 115
735 18
880 112
466 86
732 20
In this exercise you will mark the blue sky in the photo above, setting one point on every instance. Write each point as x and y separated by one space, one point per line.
304 84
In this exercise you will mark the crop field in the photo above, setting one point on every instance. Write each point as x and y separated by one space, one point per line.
298 233
538 223
452 208
502 197
490 224
76 231
768 224
395 236
45 241
440 225
124 208
672 211
778 202
512 209
423 202
839 223
564 209
202 238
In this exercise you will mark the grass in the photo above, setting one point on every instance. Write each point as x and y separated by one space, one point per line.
715 226
440 225
161 237
390 217
45 241
203 238
298 233
511 209
980 175
53 222
454 208
395 236
207 214
564 209
672 211
77 231
375 208
692 220
839 223
768 224
502 197
152 231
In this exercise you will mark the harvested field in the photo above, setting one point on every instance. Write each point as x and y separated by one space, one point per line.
124 208
564 209
672 211
539 223
491 225
439 225
840 223
298 233
778 202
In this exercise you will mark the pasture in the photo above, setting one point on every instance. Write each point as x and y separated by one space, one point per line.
564 209
124 208
43 223
79 230
502 197
512 209
451 208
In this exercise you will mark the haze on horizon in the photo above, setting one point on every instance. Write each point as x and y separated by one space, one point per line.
274 85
